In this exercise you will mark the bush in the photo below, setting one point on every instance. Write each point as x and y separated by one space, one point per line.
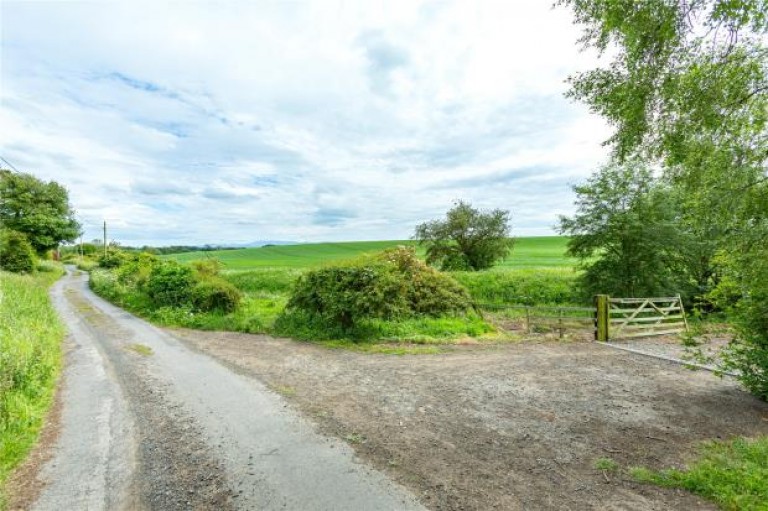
112 259
170 284
214 294
207 268
394 284
85 264
135 270
16 253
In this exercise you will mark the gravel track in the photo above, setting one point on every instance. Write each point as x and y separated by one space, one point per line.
149 424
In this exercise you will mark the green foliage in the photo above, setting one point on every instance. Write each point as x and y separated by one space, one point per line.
39 210
170 284
207 268
538 286
112 259
135 269
468 239
733 474
606 464
215 294
30 360
85 264
395 284
688 90
16 253
629 235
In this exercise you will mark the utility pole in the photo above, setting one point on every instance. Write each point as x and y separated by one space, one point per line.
105 238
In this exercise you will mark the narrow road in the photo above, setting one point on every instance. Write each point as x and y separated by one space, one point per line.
149 424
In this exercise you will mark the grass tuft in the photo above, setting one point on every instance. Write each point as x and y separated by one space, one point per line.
734 474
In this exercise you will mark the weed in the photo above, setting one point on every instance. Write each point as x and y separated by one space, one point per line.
141 349
734 474
355 438
606 464
284 390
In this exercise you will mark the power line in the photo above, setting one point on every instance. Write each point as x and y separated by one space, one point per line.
10 164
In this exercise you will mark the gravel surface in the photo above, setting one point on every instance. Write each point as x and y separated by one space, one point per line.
149 424
509 427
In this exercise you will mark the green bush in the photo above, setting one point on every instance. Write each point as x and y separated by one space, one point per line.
135 270
207 268
85 264
112 259
214 294
16 253
394 284
170 284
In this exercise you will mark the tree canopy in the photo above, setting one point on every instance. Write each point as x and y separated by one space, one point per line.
40 210
628 234
468 239
687 89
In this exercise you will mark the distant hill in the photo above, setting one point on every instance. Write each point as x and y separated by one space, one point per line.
533 252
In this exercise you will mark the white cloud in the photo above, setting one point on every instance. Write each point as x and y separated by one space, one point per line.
231 122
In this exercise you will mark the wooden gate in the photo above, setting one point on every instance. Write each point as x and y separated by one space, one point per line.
644 317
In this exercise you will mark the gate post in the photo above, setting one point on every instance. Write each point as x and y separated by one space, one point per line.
601 318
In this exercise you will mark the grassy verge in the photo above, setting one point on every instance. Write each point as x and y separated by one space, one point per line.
733 474
30 361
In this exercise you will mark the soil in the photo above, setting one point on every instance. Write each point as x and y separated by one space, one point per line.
513 426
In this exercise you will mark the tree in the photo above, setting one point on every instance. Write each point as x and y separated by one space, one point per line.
40 210
468 239
629 235
688 89
16 254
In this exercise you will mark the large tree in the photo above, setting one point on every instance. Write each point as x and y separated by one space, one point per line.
467 239
687 88
40 210
629 235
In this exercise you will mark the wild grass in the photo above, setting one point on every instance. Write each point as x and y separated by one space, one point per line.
734 474
30 361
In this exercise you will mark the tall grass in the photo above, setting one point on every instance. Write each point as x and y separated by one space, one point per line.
30 361
528 286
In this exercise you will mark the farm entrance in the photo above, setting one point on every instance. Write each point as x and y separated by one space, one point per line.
609 319
627 318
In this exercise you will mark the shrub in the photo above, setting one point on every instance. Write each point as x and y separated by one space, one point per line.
170 284
135 270
394 284
214 294
112 259
16 253
207 268
86 264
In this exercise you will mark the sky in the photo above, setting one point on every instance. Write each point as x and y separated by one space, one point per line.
235 121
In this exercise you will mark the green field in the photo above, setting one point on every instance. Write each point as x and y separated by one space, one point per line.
532 252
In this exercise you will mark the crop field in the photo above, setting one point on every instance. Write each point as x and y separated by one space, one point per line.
531 252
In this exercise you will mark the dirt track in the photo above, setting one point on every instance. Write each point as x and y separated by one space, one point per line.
147 423
512 427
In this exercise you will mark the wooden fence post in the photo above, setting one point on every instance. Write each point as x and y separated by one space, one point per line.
601 318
